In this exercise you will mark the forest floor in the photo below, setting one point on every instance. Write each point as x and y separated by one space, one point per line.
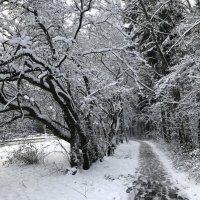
137 170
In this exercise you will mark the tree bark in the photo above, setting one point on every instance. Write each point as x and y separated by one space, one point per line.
164 128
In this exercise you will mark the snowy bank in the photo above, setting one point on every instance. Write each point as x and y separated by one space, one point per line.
105 180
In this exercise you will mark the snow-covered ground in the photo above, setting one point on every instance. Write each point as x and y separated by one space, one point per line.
180 179
107 180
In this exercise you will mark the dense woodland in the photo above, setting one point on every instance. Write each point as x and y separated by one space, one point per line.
96 71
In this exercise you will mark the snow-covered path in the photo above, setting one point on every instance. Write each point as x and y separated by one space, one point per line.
153 181
187 186
158 180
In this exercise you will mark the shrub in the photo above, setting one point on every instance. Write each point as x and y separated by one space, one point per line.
26 154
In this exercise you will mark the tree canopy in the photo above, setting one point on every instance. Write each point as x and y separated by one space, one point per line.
92 71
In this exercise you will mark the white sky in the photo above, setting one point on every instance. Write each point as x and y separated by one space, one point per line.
192 2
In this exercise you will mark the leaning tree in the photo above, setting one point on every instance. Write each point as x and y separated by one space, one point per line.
59 65
39 52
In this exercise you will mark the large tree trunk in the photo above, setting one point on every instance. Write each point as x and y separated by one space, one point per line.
93 148
111 134
75 156
79 142
84 148
110 146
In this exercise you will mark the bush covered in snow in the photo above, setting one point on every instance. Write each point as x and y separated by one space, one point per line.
26 154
